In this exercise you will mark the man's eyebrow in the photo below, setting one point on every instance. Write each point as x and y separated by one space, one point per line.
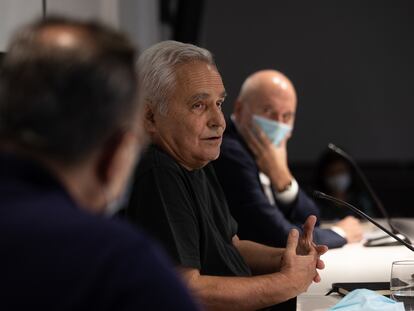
199 96
203 96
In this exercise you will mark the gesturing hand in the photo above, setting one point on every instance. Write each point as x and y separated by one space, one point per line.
302 257
300 270
306 244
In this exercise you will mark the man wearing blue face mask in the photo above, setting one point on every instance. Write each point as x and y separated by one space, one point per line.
253 170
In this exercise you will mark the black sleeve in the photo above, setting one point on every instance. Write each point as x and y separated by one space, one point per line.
161 203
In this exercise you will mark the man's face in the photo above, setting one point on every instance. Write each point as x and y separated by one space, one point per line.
191 130
272 102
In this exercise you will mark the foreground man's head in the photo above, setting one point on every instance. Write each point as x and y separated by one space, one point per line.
68 99
70 131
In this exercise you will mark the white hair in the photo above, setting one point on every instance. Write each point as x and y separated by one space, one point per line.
157 66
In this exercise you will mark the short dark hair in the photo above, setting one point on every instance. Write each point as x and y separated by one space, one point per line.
65 102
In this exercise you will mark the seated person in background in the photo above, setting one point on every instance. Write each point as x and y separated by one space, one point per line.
335 176
69 136
262 194
178 199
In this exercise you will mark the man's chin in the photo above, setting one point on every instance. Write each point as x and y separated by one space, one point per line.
208 157
214 156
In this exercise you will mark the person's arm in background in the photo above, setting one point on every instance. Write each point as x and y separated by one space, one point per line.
272 161
259 220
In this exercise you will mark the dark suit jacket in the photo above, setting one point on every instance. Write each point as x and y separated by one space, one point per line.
54 256
259 220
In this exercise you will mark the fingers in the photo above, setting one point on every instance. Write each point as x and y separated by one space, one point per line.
352 218
321 249
262 138
352 228
256 138
292 241
308 227
251 140
306 241
320 264
317 278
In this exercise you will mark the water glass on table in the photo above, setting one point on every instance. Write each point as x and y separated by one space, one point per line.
402 283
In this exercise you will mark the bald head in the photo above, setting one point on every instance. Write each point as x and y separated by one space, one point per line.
267 93
269 82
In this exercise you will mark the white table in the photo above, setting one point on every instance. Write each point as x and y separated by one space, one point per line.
352 263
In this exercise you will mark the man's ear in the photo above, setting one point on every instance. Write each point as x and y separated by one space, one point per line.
237 109
293 127
149 119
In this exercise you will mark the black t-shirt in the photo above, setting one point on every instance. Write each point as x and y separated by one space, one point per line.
187 212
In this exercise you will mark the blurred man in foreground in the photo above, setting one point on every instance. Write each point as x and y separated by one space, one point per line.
70 131
263 196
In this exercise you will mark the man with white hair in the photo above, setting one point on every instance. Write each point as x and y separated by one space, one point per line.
263 196
177 197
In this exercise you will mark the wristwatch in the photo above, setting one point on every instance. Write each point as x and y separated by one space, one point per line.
287 187
289 193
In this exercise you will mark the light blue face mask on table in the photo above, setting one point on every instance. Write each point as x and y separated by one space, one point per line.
366 300
276 131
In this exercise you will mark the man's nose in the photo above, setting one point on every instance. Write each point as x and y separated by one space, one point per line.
216 118
278 117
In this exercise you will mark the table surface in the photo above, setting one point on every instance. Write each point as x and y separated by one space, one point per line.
354 263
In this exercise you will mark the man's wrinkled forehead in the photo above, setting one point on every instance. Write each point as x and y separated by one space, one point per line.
198 77
274 98
188 71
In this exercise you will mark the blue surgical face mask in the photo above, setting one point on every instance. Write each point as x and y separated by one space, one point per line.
366 300
276 131
339 182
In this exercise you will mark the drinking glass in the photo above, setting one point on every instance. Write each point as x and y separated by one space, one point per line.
402 282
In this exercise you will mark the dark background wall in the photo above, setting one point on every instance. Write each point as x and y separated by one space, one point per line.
352 63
